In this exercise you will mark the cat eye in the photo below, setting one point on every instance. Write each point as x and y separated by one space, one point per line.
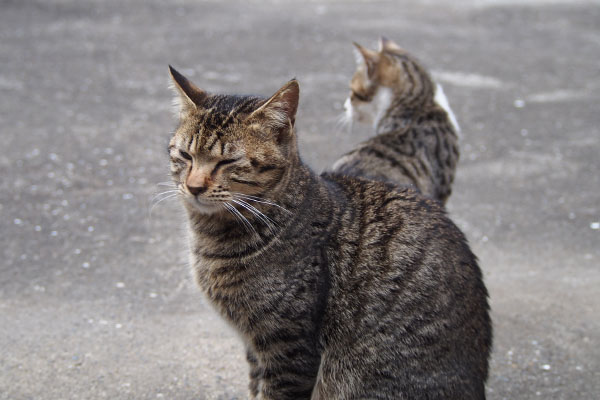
359 97
185 155
225 162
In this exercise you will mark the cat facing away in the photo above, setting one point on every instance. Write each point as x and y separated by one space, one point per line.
416 142
341 287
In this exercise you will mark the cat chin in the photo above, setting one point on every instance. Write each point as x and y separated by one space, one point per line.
203 207
363 113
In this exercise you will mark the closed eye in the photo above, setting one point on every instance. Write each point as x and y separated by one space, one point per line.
185 155
225 162
360 97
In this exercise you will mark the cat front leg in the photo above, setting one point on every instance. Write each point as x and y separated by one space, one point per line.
285 384
286 374
255 376
281 380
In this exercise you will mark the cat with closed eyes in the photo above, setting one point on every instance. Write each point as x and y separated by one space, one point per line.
341 286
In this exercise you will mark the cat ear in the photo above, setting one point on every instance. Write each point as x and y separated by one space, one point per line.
386 44
382 41
189 97
280 109
369 57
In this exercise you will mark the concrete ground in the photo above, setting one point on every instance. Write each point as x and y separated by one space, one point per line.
95 296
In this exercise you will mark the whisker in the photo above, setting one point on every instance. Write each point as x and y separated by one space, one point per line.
249 208
240 217
259 200
262 217
167 183
252 208
163 193
170 196
343 123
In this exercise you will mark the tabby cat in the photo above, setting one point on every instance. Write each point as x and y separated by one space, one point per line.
341 287
416 142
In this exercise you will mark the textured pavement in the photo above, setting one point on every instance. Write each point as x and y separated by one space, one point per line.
96 299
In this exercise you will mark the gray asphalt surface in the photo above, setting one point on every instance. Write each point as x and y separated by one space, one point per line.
96 300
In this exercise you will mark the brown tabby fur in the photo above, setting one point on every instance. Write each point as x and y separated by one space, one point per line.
416 143
341 287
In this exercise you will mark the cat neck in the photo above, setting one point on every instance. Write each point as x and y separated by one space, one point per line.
401 113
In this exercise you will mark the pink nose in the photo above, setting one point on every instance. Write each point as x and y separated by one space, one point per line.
196 190
198 181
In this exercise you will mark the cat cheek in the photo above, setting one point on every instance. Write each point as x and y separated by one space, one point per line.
176 171
363 113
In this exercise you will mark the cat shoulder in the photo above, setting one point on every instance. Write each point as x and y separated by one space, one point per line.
380 194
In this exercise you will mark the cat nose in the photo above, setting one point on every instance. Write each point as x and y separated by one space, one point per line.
197 181
196 190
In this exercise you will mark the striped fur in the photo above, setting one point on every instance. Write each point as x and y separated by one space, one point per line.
416 143
341 288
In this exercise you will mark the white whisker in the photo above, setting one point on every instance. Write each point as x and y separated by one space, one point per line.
250 207
240 217
343 123
169 196
167 192
239 196
167 183
269 223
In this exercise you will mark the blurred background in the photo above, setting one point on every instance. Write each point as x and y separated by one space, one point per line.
96 299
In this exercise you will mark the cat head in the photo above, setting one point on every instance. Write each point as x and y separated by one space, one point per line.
227 146
386 75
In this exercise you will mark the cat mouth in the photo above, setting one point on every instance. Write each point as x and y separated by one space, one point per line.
204 206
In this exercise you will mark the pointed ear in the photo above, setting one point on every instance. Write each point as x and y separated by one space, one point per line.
189 96
369 57
386 44
280 109
382 41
